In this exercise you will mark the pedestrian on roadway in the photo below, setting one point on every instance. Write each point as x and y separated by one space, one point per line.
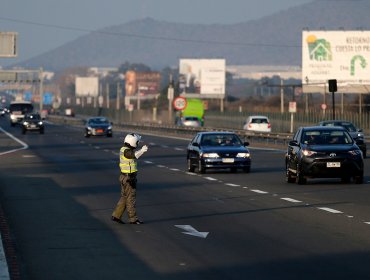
128 166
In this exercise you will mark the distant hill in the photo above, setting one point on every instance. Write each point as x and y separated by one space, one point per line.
271 40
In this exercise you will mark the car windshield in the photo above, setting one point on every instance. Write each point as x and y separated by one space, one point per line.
326 137
347 125
221 140
32 117
98 121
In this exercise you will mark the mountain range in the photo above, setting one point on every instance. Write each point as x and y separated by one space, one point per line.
271 40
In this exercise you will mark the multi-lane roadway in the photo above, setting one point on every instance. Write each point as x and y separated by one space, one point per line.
58 191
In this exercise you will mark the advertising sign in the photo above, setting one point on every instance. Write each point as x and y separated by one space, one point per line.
8 44
87 86
203 76
340 55
143 83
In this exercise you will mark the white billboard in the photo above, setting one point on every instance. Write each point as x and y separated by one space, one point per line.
8 44
340 55
202 76
87 86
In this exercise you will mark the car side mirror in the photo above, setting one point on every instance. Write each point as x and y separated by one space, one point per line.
246 143
359 141
360 130
293 143
195 144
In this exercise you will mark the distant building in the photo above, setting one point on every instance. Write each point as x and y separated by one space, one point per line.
257 72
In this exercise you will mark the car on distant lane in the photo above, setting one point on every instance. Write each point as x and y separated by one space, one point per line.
32 122
98 126
257 124
189 121
323 152
218 150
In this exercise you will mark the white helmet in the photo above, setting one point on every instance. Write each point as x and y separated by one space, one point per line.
132 139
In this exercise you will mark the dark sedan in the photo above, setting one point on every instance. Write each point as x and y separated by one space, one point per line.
32 122
98 126
323 152
218 150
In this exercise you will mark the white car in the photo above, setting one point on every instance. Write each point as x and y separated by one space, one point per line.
257 124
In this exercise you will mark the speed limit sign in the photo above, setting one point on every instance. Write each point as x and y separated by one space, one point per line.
180 103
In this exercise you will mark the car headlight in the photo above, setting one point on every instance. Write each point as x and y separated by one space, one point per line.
40 123
89 128
109 127
25 123
308 153
210 155
243 155
355 152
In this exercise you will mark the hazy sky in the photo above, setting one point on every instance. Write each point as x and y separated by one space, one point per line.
43 25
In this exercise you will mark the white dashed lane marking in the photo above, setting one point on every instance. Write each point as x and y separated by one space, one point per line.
291 200
330 210
259 191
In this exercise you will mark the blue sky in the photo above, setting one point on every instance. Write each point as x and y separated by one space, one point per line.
43 25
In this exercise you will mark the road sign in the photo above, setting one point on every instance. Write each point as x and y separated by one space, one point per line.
293 107
323 106
180 103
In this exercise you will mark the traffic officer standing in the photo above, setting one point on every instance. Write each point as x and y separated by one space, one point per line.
128 165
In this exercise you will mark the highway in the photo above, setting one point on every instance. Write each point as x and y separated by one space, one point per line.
58 191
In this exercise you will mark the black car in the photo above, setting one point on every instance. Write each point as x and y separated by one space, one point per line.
323 152
356 133
98 126
218 150
32 122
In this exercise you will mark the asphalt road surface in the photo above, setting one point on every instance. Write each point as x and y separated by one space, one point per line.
58 191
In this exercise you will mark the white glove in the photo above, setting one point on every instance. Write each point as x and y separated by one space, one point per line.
140 152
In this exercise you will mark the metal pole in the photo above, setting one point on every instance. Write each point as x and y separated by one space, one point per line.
41 90
107 92
281 96
118 100
333 100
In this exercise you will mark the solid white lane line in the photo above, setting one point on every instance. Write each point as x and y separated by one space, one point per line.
330 210
24 145
161 166
28 156
174 169
147 161
291 200
259 191
179 149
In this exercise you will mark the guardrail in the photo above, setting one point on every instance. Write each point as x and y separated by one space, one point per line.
253 137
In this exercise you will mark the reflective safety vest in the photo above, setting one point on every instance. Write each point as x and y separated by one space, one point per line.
125 164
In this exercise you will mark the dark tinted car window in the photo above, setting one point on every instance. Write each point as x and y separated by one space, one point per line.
24 108
259 120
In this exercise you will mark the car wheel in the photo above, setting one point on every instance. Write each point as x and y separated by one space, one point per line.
364 153
87 135
289 177
201 168
359 179
23 131
247 169
346 179
41 131
301 180
190 166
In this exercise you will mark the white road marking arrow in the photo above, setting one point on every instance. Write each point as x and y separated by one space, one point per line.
192 231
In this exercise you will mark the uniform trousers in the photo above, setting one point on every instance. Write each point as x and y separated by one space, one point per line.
127 199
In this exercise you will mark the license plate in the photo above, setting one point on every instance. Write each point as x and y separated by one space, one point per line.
227 160
333 164
33 126
99 130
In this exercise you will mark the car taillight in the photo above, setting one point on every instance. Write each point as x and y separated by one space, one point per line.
269 125
249 125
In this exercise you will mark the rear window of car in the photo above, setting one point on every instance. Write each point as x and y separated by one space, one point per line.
21 107
191 118
259 120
